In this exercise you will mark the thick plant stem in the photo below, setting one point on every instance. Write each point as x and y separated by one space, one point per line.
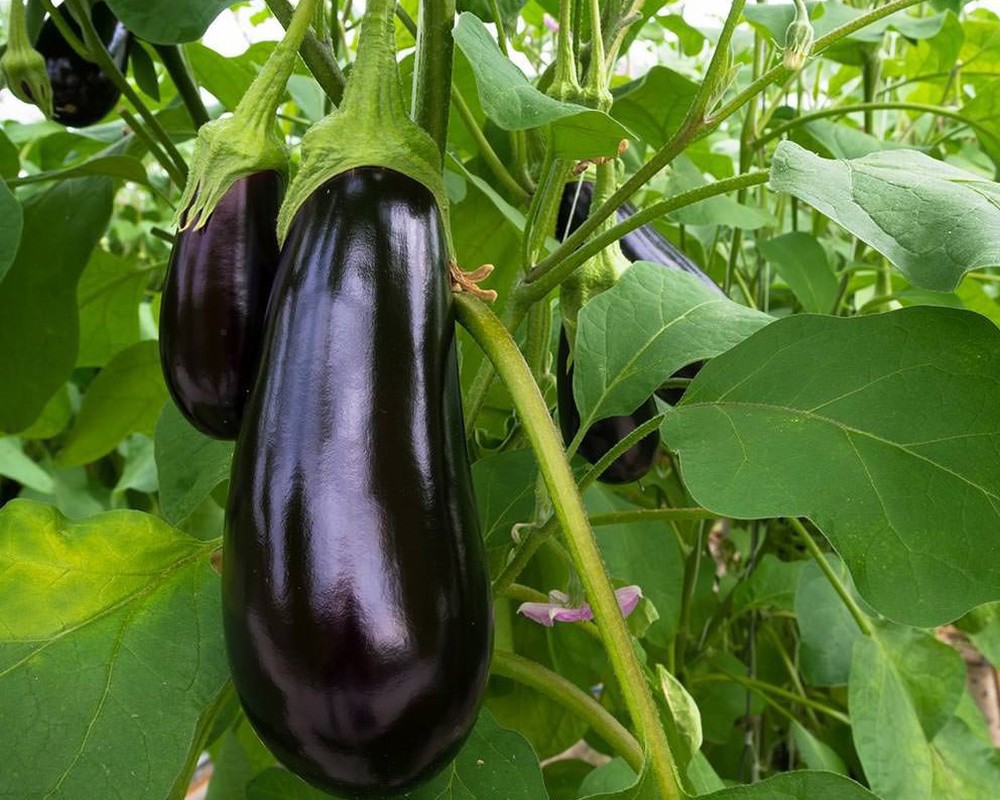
432 69
557 688
498 345
155 150
838 585
177 67
100 55
317 56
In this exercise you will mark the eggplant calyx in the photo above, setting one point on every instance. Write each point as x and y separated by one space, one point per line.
23 66
462 281
370 128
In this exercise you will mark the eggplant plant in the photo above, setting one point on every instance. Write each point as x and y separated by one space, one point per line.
550 400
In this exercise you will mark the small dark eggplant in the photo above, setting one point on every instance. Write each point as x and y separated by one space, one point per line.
642 244
356 599
81 93
606 433
214 302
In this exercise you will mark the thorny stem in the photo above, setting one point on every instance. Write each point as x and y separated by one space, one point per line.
498 345
432 69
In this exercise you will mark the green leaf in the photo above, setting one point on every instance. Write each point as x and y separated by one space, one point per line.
638 333
139 470
514 104
801 785
16 465
108 298
190 464
38 338
685 719
814 753
772 584
965 765
124 168
827 631
126 397
144 70
718 210
643 788
10 158
11 222
505 493
110 652
801 261
840 420
931 220
168 21
905 681
226 78
655 105
494 764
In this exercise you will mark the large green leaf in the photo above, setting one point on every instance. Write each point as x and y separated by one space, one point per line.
126 397
494 764
11 221
110 652
514 104
38 337
108 298
168 21
905 681
651 323
933 221
883 430
802 785
190 464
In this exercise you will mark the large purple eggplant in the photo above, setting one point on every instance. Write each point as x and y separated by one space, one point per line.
356 598
81 93
214 301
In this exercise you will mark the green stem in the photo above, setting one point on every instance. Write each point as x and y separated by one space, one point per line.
651 515
155 150
866 108
780 73
432 69
573 252
768 689
498 345
177 67
633 437
838 585
533 539
317 56
268 88
65 30
107 64
496 166
501 33
570 696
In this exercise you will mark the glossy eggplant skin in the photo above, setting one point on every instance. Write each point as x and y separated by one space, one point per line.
81 93
356 599
606 433
214 302
642 244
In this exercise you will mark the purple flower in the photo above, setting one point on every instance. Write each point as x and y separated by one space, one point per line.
559 610
550 23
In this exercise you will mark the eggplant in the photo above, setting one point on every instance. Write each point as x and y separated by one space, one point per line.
642 244
356 599
214 303
606 433
81 93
